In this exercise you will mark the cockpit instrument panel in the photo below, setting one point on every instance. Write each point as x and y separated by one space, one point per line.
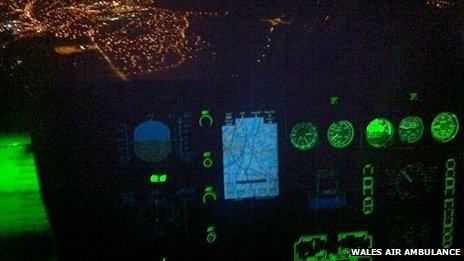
267 179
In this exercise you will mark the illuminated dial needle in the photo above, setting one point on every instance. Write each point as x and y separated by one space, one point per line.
406 176
336 135
304 136
306 139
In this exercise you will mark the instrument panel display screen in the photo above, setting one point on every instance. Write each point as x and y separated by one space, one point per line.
250 156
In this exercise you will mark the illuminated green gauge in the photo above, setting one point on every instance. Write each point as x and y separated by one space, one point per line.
411 129
304 136
340 134
379 133
445 126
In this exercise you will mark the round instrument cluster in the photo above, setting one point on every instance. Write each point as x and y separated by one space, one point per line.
304 136
445 127
411 129
379 133
340 134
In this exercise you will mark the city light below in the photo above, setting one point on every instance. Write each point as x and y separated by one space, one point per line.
134 38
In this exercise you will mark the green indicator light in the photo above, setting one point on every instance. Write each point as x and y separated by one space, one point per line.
304 136
413 96
340 134
207 159
445 127
411 129
211 234
209 194
21 206
207 163
158 178
379 133
334 100
154 179
205 119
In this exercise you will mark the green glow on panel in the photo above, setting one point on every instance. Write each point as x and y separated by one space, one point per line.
368 189
209 194
207 159
340 134
14 140
158 178
449 204
205 119
304 136
413 96
411 129
211 234
314 247
310 248
445 127
21 205
379 133
356 239
154 178
334 100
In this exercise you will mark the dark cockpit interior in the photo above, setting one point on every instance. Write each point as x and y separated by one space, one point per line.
230 130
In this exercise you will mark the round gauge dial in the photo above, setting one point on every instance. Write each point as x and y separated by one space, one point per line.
411 183
379 133
445 127
340 134
304 136
411 129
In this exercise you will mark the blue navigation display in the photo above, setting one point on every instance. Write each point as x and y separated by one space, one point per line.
250 156
152 141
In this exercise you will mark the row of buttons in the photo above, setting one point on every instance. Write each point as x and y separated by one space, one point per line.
209 194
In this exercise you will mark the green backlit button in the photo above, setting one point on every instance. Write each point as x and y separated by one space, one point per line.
211 234
411 129
207 159
209 194
334 100
445 127
304 136
205 119
413 96
379 133
340 134
158 178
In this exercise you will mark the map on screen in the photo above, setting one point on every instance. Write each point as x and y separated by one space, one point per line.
250 156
